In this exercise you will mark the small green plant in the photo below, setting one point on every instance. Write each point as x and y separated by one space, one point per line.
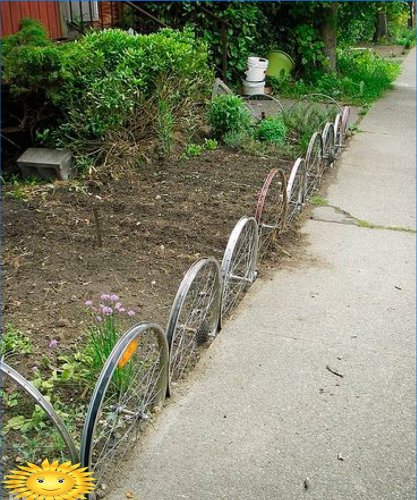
109 318
18 188
210 144
192 150
14 342
272 129
228 114
318 201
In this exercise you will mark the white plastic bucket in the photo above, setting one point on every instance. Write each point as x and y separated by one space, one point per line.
257 67
253 88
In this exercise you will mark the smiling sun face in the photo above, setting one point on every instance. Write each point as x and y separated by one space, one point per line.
50 481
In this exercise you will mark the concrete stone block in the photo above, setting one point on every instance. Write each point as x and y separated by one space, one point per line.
48 164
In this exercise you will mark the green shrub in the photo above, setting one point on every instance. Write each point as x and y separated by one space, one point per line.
361 78
309 47
272 129
407 38
228 114
365 73
303 120
248 29
29 59
109 79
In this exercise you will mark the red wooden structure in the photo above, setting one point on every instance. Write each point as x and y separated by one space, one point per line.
46 12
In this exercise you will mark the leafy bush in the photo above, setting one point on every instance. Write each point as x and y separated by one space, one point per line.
249 29
309 48
272 129
106 79
303 120
362 77
228 114
365 74
407 38
29 59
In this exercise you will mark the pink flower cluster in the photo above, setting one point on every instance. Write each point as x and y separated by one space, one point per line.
109 305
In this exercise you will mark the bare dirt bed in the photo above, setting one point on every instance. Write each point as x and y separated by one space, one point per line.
155 222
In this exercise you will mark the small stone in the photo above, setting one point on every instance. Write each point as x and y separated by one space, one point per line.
340 457
397 287
74 298
63 323
158 197
100 493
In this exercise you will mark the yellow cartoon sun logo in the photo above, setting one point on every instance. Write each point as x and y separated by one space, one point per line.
50 481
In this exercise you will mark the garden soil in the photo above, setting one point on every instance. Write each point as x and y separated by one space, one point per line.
155 221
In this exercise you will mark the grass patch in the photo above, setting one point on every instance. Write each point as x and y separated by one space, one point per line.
370 225
318 201
362 76
14 341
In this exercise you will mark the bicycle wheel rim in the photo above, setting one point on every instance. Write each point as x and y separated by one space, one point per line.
238 266
313 162
328 145
296 189
338 134
153 396
194 317
38 399
257 114
271 210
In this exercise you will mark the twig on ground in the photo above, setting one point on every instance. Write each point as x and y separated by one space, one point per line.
332 370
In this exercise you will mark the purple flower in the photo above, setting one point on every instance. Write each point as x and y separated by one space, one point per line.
131 313
88 303
53 344
118 306
34 369
106 310
122 309
114 298
105 296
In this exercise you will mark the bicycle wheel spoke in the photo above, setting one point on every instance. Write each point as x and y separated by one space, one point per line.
314 161
194 316
131 383
49 438
271 211
239 262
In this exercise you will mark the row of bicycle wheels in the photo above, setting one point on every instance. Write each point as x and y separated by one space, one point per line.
147 361
281 199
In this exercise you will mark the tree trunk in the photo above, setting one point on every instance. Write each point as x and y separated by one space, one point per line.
380 25
328 34
412 14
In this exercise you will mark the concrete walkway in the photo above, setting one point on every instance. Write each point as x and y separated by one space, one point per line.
265 418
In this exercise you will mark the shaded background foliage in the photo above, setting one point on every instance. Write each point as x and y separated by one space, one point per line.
80 94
